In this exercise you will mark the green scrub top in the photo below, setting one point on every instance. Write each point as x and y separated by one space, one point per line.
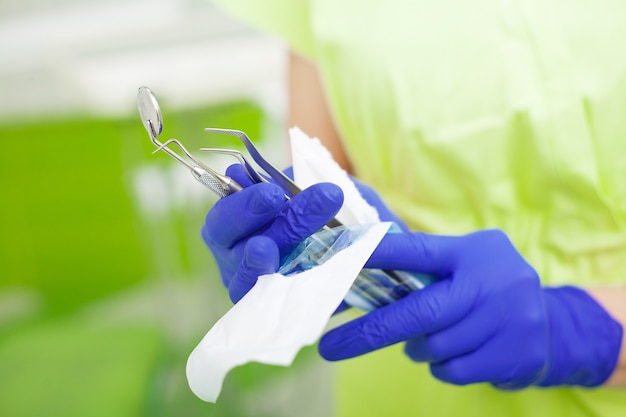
470 115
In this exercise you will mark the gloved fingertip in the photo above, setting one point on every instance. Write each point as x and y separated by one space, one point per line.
328 348
333 193
324 198
340 343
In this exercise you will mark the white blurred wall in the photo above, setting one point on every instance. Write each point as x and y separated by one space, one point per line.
61 57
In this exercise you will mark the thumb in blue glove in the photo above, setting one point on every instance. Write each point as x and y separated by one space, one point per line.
488 319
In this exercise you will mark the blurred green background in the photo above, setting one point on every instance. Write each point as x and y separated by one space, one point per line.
105 284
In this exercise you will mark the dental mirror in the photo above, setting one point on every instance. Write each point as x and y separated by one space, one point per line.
150 112
152 120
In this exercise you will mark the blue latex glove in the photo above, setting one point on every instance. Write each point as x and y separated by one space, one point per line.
250 231
488 319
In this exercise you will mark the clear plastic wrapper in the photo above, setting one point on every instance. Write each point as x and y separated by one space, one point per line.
373 288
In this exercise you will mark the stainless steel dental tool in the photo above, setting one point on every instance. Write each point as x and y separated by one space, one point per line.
152 119
222 185
372 289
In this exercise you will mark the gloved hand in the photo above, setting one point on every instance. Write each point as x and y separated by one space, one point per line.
249 231
487 319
